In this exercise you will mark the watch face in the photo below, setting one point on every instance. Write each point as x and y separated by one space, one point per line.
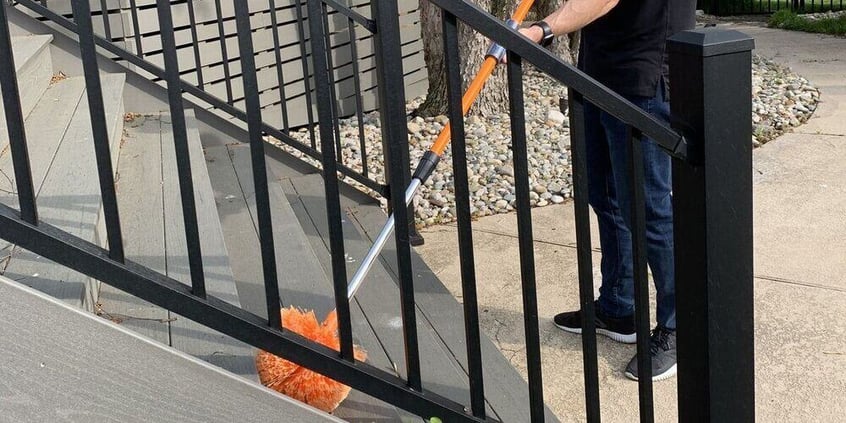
547 33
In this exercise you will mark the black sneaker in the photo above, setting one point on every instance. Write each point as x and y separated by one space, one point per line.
662 349
620 330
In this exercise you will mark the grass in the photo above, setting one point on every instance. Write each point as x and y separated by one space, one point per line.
747 7
786 19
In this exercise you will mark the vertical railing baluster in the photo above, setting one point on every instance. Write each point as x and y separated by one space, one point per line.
524 236
262 195
280 77
224 52
136 27
107 27
641 276
395 138
105 170
330 175
584 253
359 103
15 123
180 138
198 62
452 62
332 88
298 7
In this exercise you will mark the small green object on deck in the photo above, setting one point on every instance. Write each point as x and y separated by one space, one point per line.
435 420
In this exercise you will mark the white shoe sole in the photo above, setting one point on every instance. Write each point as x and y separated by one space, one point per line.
619 337
666 375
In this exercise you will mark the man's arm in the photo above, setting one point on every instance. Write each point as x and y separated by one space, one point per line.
572 16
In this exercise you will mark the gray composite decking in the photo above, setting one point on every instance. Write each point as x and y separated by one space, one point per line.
154 234
34 67
376 321
65 179
47 373
302 280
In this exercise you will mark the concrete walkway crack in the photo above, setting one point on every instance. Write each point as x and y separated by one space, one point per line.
785 281
822 134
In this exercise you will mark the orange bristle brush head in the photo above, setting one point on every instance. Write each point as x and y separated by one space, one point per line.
298 382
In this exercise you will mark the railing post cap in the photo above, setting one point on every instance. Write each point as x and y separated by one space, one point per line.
707 42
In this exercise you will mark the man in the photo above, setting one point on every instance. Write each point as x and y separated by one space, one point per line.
624 47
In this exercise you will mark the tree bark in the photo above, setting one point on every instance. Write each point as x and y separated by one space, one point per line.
433 54
472 48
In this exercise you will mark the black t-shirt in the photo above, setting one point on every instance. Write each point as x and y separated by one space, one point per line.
626 49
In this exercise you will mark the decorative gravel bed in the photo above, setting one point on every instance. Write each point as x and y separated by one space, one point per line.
782 100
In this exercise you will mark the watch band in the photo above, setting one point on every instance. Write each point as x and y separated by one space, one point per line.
548 36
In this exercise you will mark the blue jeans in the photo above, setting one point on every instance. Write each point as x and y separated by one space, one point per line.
610 198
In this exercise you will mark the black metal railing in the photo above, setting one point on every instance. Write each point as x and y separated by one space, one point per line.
213 81
763 7
712 191
720 61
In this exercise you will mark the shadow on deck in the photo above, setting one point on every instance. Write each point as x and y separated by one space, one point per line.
303 261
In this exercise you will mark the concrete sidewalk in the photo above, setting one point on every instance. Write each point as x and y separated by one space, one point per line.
800 268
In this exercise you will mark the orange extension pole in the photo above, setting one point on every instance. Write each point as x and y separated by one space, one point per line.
432 157
477 84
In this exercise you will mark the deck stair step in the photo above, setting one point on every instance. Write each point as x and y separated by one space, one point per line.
153 229
303 280
440 316
34 69
47 373
65 180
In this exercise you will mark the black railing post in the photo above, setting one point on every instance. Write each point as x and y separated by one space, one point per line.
393 66
395 142
710 74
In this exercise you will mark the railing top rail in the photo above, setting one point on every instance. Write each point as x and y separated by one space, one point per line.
603 97
362 20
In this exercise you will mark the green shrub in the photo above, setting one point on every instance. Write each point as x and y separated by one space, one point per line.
786 19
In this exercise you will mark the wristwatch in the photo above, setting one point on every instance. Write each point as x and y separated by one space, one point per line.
548 36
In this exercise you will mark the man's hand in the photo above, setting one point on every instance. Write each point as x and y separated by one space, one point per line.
572 16
533 33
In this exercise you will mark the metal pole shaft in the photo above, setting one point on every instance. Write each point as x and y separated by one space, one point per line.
380 242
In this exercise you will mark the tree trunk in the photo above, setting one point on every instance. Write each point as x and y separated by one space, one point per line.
433 54
472 48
